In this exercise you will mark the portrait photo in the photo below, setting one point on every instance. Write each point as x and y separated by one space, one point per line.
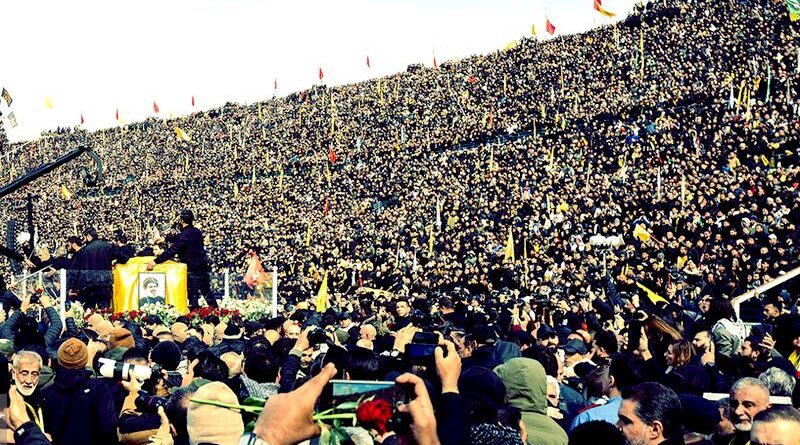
152 288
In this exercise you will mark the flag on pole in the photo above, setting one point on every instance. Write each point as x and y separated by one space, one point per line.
641 233
332 155
155 107
275 84
255 275
435 65
322 295
549 27
66 194
368 65
192 101
7 97
533 29
794 9
598 6
82 119
48 102
510 245
116 115
321 74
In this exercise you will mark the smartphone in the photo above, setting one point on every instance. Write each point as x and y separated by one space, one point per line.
352 387
421 354
174 379
428 338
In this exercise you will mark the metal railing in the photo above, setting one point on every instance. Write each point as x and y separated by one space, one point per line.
737 301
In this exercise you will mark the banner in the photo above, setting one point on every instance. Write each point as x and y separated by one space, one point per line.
134 285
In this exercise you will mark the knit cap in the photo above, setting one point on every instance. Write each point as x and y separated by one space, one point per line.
72 354
120 337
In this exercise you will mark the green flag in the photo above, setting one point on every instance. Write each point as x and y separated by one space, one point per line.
794 9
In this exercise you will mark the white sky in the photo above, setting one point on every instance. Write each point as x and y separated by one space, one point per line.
94 56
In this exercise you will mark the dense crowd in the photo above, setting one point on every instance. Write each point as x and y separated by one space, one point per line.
509 208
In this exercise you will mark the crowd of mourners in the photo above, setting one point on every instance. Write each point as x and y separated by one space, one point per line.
487 229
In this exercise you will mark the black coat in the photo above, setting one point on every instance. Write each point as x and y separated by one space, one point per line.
188 246
98 255
78 409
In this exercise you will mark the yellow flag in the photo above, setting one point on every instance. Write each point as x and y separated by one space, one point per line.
654 297
510 245
533 30
682 261
511 45
765 161
48 103
541 105
186 164
328 174
235 190
563 207
641 233
308 235
430 240
65 193
322 295
182 136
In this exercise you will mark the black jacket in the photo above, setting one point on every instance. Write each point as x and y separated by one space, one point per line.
78 409
97 255
188 246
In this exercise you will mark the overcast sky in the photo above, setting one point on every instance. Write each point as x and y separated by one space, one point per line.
97 56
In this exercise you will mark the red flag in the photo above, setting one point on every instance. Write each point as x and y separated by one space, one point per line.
321 75
155 107
550 28
327 206
598 4
472 79
276 84
81 118
332 155
360 280
117 114
435 65
368 62
255 275
192 101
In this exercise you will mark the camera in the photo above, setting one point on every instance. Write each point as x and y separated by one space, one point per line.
112 369
317 337
149 404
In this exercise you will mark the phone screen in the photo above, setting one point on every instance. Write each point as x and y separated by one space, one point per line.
351 387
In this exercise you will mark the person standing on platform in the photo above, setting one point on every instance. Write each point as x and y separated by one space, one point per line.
93 264
188 246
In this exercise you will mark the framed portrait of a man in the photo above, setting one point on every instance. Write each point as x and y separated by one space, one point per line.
152 288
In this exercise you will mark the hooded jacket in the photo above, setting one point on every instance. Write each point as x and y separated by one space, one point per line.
78 409
526 390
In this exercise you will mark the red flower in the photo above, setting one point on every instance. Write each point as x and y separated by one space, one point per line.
374 414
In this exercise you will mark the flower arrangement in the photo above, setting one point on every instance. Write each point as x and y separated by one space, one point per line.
167 313
251 309
200 314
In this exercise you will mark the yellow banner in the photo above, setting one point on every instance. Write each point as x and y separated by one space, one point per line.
133 282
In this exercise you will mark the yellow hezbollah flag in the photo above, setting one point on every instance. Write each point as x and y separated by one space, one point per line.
322 295
510 245
533 30
182 136
640 233
654 297
48 103
511 45
65 193
128 284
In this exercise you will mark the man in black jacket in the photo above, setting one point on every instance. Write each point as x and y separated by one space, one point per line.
93 263
77 407
188 246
